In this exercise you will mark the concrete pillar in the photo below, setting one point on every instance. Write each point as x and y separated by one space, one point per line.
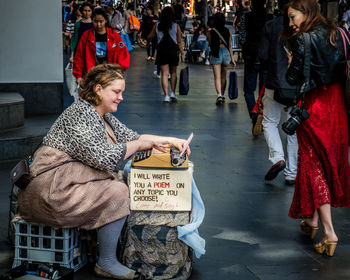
31 53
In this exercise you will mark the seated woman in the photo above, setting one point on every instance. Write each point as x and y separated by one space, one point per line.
200 41
195 25
79 159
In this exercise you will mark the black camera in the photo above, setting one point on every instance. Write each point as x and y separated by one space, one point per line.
175 158
298 115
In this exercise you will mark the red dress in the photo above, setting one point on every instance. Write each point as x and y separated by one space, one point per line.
323 169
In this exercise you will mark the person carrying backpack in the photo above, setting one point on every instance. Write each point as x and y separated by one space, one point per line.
129 28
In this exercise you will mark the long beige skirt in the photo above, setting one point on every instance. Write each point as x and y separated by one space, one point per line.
73 194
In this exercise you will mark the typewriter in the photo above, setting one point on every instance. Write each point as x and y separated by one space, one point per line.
155 159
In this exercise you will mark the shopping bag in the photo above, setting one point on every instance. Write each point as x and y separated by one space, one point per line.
259 105
71 81
184 81
232 88
126 40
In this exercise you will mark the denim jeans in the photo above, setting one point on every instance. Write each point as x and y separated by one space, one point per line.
223 59
203 46
151 47
131 36
251 72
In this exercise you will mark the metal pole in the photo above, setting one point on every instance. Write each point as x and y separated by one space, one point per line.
205 11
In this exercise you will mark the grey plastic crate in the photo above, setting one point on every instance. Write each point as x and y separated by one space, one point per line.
39 243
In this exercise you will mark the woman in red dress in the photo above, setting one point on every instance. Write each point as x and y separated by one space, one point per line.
323 178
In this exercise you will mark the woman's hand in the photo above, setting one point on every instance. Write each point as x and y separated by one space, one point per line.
179 144
79 81
161 143
233 62
289 55
146 145
182 57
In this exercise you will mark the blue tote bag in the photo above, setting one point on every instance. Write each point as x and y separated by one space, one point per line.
126 40
232 88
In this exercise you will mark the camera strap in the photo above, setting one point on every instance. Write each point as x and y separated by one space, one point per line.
307 61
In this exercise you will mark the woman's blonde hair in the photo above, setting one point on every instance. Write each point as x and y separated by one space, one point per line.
103 75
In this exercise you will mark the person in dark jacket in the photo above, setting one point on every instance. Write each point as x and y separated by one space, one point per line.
272 53
323 178
179 14
253 23
148 21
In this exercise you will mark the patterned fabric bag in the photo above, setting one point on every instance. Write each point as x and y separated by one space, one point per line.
150 245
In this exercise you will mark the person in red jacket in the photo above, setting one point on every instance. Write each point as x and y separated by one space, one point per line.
98 45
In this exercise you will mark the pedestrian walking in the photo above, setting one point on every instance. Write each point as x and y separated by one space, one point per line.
252 24
117 20
68 9
221 54
130 11
179 14
81 26
323 178
98 45
271 53
346 19
148 22
169 44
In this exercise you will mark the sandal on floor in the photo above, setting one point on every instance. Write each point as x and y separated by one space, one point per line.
326 246
309 230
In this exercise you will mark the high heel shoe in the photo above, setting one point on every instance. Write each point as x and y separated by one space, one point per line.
328 246
309 230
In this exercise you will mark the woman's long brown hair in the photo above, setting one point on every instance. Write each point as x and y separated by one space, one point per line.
312 11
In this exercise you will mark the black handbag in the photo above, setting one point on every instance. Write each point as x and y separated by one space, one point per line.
20 174
232 88
285 96
184 85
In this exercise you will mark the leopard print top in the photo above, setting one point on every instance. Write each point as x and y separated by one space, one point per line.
81 133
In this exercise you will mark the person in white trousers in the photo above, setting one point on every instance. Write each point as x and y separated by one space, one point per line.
272 54
271 119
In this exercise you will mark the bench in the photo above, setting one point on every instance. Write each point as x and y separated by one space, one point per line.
189 38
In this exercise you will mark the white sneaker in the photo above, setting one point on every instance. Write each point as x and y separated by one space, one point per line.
155 74
169 76
173 97
167 98
207 62
202 55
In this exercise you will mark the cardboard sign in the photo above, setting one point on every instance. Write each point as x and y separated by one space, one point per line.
161 189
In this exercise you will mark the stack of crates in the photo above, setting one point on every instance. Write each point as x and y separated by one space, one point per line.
39 243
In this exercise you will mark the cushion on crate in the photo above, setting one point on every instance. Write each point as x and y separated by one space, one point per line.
159 218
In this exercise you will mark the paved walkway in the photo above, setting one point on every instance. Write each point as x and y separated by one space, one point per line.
247 231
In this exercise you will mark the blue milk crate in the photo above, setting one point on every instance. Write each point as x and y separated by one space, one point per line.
39 243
